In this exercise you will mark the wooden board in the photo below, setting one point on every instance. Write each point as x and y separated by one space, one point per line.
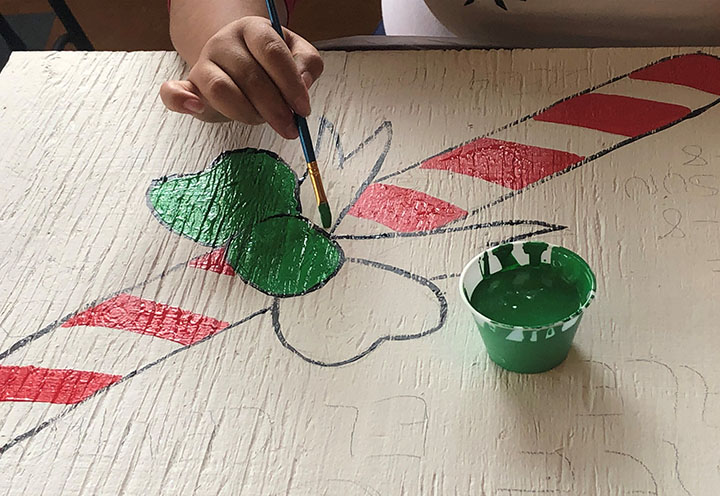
377 383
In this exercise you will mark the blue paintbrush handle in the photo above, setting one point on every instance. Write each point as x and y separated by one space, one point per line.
300 122
274 18
305 139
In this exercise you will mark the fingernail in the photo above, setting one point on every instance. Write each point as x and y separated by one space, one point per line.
193 106
307 79
302 107
291 131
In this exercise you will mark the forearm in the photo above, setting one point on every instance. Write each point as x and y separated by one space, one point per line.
194 22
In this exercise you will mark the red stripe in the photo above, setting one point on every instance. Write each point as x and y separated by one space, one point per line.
503 162
698 71
61 386
134 314
615 114
404 210
213 262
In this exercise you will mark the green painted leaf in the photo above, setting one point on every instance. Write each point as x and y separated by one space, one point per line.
240 189
284 256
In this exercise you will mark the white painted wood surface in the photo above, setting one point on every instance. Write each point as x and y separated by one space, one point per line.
635 409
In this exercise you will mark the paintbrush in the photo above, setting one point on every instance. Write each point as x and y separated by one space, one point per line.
305 139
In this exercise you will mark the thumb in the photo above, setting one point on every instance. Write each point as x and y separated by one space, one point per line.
184 97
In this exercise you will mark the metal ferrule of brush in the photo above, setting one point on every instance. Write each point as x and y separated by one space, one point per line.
314 174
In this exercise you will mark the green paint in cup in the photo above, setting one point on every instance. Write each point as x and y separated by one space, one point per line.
527 299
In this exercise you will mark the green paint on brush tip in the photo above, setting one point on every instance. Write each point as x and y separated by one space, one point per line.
325 215
284 256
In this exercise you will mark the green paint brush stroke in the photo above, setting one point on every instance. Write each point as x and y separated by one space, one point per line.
284 256
250 198
240 189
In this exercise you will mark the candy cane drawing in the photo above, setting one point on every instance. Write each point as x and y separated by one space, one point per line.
265 258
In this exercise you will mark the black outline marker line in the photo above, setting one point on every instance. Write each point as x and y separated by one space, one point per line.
523 236
587 160
442 316
326 125
323 125
570 168
340 156
318 230
511 239
442 277
444 230
70 408
59 322
373 172
538 112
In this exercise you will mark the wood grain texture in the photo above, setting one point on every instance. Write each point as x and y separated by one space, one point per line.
251 409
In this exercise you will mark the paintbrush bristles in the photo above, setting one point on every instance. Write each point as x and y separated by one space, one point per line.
305 139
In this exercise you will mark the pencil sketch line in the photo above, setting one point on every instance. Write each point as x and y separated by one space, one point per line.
677 468
639 462
667 367
356 411
608 367
705 396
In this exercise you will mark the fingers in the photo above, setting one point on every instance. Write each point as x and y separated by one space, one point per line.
307 59
257 86
179 96
222 93
184 97
247 72
274 57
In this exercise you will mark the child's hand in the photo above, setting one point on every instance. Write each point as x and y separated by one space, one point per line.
246 72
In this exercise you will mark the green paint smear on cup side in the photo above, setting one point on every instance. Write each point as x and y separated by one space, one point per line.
284 256
240 189
537 294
